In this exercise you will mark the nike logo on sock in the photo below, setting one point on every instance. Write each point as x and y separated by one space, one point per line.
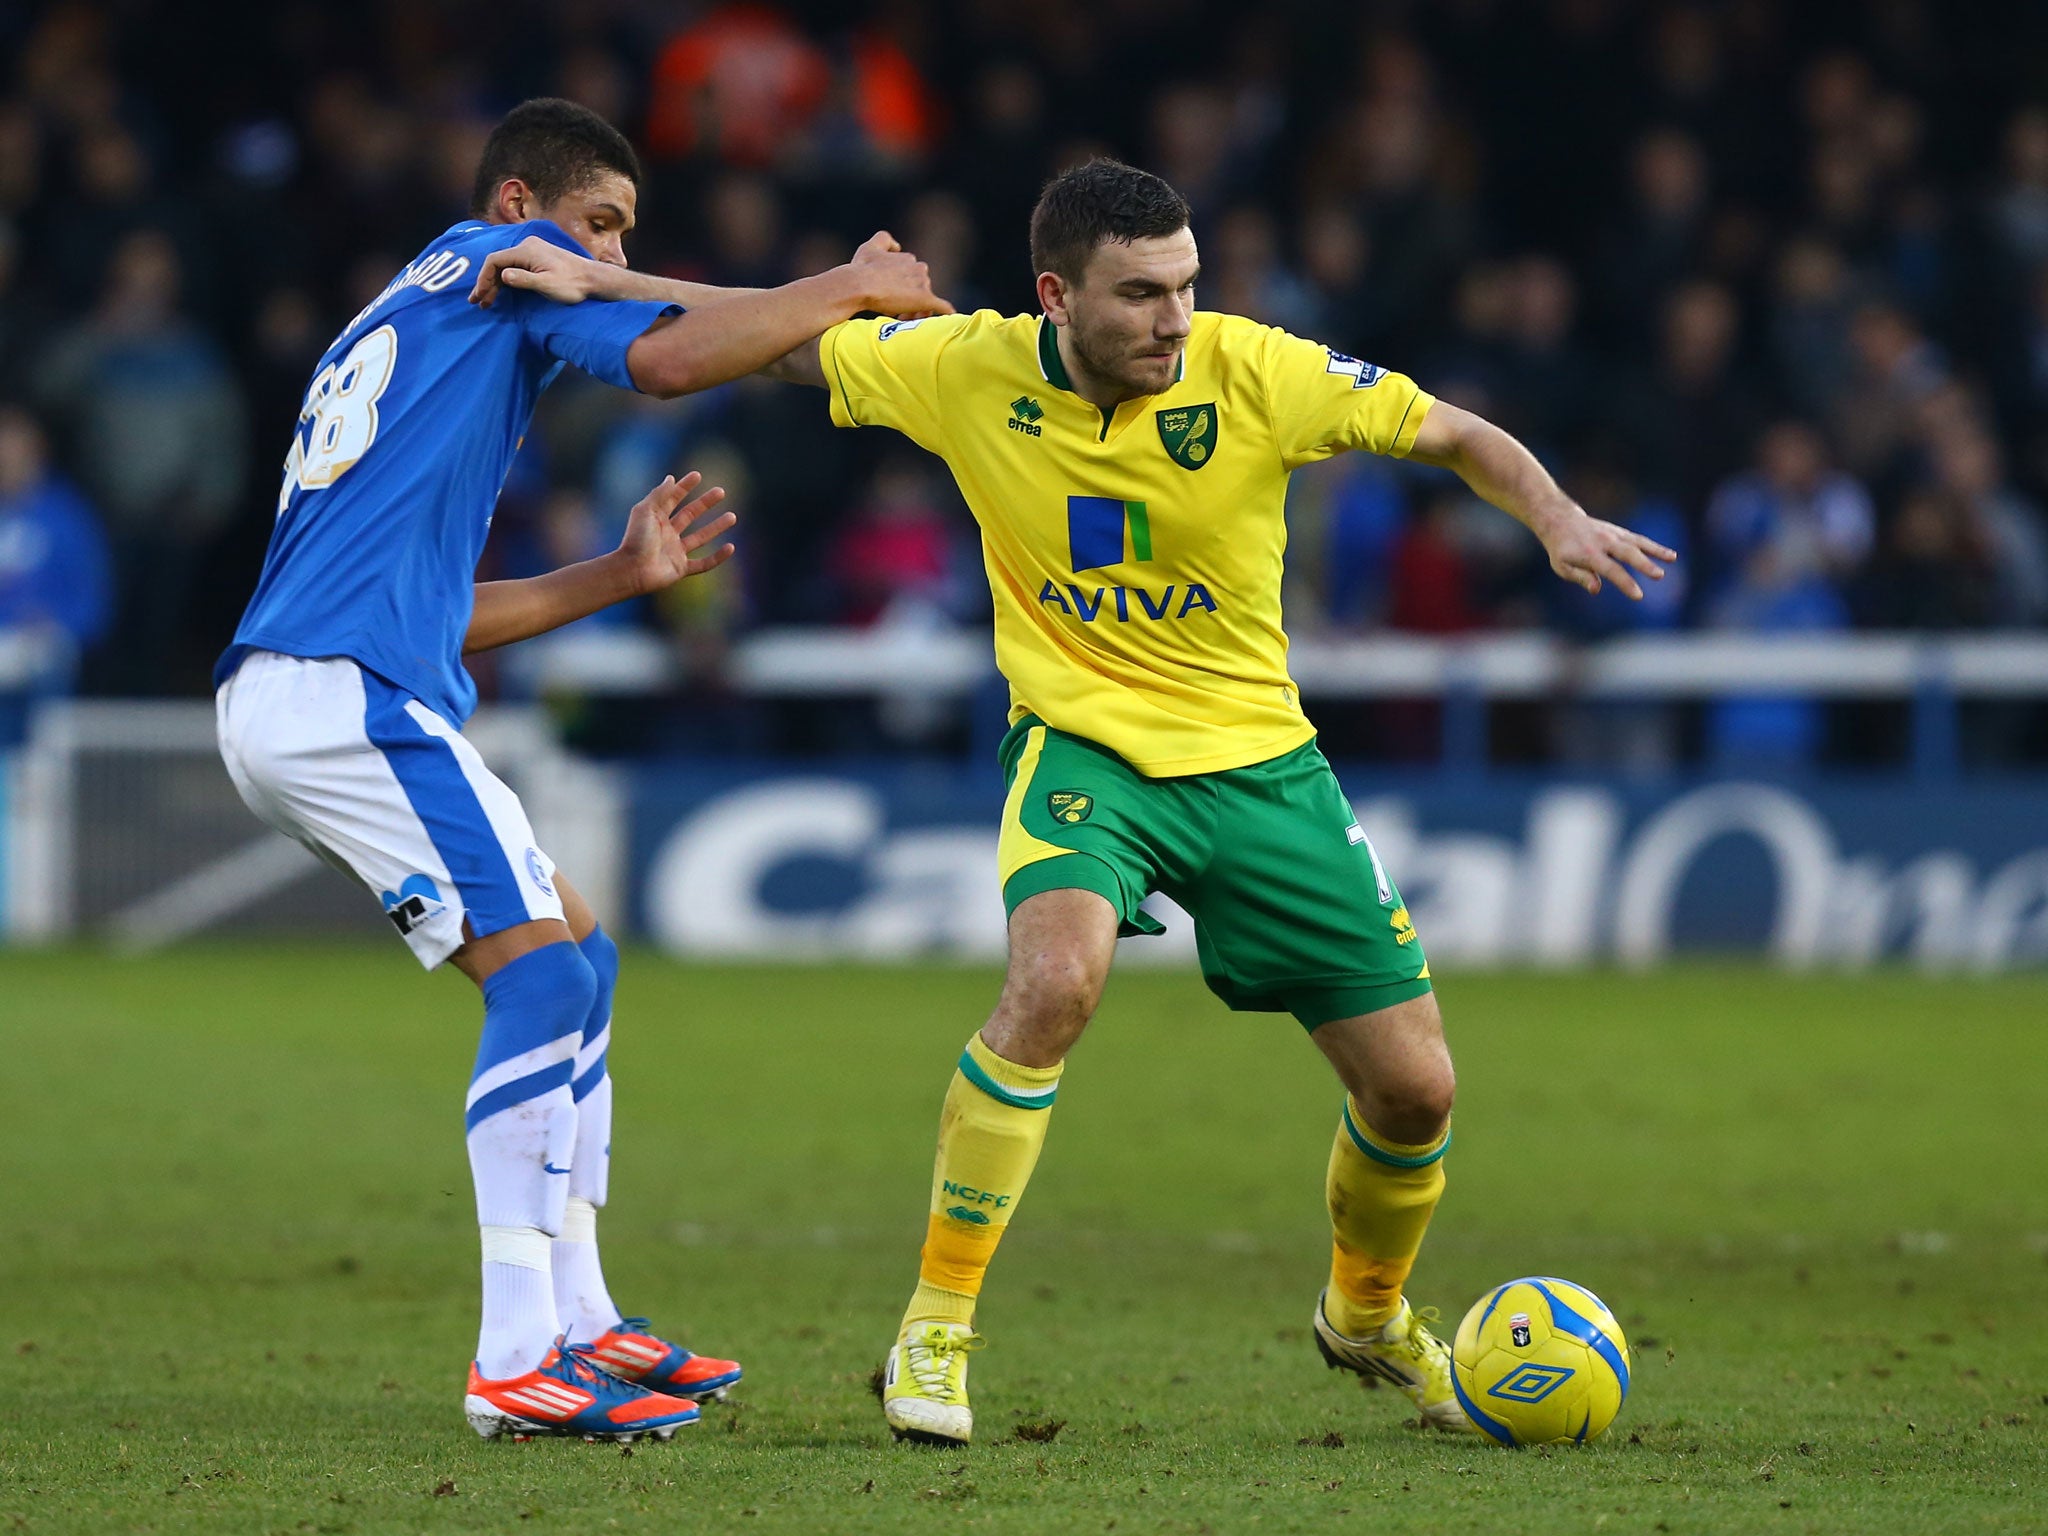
551 1168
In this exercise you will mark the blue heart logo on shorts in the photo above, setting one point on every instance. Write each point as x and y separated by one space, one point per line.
413 902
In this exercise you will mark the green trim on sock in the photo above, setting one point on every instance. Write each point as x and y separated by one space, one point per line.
1380 1154
972 1071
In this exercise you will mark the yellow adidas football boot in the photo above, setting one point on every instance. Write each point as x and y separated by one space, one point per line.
1403 1352
924 1384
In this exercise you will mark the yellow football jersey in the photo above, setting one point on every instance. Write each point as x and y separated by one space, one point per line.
1134 556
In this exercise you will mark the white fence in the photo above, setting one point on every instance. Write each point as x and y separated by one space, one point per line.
823 662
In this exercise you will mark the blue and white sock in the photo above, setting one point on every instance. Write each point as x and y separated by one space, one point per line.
582 1302
521 1119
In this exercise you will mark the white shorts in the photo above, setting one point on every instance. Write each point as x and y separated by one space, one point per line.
376 783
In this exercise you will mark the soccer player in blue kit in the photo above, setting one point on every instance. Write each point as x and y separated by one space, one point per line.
342 698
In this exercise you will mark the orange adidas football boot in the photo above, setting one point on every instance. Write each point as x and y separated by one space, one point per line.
567 1394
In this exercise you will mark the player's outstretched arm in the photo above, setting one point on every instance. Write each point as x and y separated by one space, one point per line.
659 549
1583 550
540 266
805 364
740 332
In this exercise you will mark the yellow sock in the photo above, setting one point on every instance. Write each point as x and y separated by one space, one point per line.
1381 1197
989 1135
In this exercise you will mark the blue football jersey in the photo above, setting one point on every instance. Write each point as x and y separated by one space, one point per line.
402 447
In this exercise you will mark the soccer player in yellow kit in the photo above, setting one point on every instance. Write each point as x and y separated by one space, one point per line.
1127 456
1127 459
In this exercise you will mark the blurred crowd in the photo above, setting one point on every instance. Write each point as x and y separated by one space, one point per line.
1767 280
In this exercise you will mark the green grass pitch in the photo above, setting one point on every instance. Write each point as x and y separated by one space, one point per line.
238 1272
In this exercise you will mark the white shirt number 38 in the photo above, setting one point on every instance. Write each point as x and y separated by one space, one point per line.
338 421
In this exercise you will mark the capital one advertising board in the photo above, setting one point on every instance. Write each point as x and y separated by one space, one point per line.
896 862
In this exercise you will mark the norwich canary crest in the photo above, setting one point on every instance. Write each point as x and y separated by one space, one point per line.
1069 805
1189 433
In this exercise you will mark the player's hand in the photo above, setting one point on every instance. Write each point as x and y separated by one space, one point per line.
1586 552
894 282
877 248
877 245
538 266
660 547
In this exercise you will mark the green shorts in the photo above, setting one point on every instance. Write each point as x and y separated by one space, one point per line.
1293 911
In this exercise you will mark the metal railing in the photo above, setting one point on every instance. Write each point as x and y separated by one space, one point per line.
1934 673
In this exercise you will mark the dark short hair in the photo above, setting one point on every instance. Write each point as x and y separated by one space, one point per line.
1094 203
554 146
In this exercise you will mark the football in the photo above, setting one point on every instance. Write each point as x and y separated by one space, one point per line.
1538 1361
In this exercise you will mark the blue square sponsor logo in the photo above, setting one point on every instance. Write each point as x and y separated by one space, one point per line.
1097 527
1095 531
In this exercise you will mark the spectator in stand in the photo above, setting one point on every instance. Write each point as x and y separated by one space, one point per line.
1432 581
1809 325
366 151
1542 368
939 226
894 562
1247 276
1345 518
1336 258
1386 151
743 219
1473 356
1934 569
1659 242
596 77
21 159
739 83
113 192
1191 143
1842 196
872 133
1893 368
1687 78
53 573
1786 539
997 163
1694 416
24 320
1916 237
155 424
2012 529
1835 93
2019 207
1258 85
1794 519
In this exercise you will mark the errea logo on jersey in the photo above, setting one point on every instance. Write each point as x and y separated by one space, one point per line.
1025 414
1363 375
